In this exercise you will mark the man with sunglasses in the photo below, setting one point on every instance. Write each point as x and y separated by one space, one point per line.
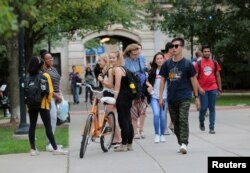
181 81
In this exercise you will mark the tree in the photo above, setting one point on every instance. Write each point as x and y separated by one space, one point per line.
7 19
221 24
52 19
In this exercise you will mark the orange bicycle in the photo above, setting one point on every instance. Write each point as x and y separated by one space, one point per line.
102 127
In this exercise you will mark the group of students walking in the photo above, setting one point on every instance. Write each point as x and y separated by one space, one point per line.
170 82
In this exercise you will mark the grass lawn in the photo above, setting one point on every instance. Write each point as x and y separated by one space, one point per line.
9 145
233 100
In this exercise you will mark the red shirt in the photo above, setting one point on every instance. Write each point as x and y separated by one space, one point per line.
166 57
207 78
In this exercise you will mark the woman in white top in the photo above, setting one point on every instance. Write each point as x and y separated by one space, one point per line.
158 111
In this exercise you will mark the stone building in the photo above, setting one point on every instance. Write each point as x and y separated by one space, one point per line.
73 52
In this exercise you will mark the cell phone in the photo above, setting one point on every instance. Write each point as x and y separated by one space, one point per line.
163 106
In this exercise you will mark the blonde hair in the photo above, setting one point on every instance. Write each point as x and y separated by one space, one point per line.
119 57
119 61
130 48
105 57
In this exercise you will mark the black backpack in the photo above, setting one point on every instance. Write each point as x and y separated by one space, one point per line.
134 85
36 87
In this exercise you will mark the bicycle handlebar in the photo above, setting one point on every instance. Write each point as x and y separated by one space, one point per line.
96 91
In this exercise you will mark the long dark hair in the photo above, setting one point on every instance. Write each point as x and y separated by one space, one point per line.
153 63
88 72
35 65
43 52
152 72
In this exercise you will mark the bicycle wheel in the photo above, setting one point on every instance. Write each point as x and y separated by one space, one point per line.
86 136
108 129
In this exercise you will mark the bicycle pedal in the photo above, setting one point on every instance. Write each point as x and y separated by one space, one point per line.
107 130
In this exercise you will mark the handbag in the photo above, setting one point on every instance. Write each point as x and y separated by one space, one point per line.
63 110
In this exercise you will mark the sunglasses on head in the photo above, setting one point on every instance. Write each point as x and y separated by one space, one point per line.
175 46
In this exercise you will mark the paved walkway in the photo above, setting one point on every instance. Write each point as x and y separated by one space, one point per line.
232 138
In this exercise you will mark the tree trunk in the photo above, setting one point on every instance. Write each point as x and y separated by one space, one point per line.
13 80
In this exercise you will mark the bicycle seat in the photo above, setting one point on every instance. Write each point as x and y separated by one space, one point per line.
108 100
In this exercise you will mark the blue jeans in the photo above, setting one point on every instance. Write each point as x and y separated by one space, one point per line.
159 115
75 91
208 102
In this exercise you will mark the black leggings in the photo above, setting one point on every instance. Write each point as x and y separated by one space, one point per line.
45 115
123 106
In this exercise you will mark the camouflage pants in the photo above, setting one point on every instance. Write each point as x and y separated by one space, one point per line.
179 112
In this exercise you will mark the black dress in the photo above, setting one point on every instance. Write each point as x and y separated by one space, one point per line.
123 105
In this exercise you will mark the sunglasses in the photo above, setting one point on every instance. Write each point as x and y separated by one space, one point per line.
175 46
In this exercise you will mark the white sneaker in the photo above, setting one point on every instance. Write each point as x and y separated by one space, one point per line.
162 138
60 151
137 136
34 152
157 138
49 147
183 149
142 134
59 146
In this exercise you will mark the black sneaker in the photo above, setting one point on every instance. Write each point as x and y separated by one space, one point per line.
202 127
211 131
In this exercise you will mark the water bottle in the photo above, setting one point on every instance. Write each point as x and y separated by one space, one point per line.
132 87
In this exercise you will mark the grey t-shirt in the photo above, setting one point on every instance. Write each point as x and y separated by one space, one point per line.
55 77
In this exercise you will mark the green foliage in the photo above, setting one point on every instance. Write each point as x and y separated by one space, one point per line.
8 19
221 24
9 145
94 43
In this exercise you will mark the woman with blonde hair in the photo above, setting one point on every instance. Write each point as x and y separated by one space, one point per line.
123 103
106 78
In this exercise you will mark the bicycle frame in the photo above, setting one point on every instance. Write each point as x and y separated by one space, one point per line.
94 111
96 123
103 128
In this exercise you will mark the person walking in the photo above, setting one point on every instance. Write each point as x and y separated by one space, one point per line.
159 112
136 63
168 51
89 79
168 54
57 95
181 80
208 75
75 89
36 64
198 57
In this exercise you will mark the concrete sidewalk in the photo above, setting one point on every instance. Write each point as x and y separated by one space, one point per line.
231 139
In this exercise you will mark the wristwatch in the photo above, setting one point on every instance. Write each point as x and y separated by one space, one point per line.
196 96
